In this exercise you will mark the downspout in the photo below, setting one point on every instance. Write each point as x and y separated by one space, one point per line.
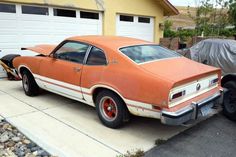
100 4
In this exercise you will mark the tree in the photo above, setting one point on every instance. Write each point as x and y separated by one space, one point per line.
203 15
211 17
185 34
232 12
221 20
168 33
168 24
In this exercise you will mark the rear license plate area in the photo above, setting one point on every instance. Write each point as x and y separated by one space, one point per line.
206 110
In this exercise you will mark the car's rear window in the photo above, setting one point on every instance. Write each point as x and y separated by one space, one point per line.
147 53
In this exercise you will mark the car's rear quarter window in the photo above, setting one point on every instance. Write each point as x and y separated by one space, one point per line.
146 53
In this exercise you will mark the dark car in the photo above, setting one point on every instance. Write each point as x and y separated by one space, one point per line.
219 53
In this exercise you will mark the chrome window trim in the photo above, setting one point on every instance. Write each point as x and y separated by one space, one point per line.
67 41
87 55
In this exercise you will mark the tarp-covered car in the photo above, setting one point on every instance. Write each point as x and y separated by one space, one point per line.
220 53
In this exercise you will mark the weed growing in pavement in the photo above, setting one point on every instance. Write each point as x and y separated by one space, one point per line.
136 153
159 142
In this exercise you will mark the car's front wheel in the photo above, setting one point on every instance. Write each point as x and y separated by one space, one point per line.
29 85
111 109
229 105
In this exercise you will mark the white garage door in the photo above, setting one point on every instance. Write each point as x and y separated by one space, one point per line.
135 26
25 25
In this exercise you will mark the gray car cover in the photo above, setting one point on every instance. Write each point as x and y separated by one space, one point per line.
216 52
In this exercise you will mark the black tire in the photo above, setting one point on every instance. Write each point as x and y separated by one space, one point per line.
229 105
29 85
111 109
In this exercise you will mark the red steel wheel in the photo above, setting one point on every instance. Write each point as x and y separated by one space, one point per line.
111 109
108 108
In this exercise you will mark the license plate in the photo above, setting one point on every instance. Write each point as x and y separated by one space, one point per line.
206 110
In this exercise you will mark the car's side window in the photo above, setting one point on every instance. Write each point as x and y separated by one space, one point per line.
96 57
72 51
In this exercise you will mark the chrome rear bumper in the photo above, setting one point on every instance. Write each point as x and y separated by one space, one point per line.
191 112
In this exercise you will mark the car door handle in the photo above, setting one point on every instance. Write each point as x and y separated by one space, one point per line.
77 69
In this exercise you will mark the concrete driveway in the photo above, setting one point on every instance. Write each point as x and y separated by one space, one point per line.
67 128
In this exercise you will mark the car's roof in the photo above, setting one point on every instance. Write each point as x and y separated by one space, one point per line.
112 42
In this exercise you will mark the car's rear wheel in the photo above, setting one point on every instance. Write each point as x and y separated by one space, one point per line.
29 85
229 105
111 109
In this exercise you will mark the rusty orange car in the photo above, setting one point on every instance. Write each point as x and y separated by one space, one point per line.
120 76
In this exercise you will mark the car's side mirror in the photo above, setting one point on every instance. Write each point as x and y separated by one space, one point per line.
52 55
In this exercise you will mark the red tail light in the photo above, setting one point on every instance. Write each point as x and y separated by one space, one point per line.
156 107
177 95
214 81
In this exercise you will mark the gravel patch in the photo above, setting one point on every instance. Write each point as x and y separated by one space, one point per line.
14 144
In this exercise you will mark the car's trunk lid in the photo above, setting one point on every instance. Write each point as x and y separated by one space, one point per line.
41 49
179 70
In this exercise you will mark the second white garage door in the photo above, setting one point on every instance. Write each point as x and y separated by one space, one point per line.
135 26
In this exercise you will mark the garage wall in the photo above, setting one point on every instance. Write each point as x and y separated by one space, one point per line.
150 8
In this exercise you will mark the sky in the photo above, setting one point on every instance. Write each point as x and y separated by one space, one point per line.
183 2
192 3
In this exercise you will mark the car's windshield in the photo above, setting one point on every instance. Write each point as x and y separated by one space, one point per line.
146 53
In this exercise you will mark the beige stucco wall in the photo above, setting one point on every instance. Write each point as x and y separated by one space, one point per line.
111 8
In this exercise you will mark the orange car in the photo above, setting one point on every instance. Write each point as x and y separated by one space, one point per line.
119 76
